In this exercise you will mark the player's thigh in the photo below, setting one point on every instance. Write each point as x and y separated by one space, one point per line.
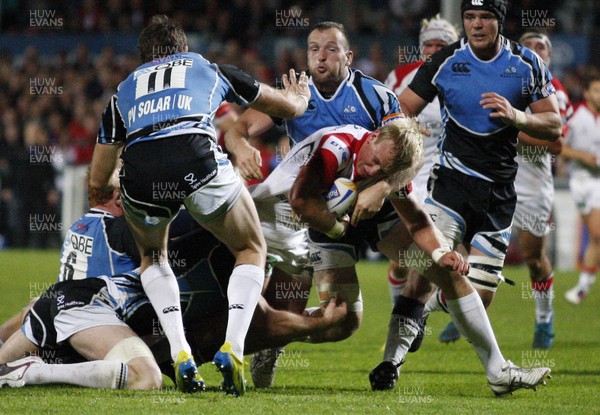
532 246
95 343
395 244
15 347
150 239
239 228
592 221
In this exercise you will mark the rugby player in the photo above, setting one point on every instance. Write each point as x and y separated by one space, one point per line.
161 117
534 185
484 82
583 148
340 95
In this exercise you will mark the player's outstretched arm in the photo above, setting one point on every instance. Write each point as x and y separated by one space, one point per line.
290 326
543 123
289 102
245 157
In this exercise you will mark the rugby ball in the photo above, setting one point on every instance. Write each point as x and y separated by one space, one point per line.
341 196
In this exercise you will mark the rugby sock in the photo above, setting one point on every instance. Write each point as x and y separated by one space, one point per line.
243 291
161 287
103 374
396 282
437 302
587 277
403 329
543 293
472 322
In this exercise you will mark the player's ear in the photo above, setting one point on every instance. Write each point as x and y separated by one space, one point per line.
117 197
349 56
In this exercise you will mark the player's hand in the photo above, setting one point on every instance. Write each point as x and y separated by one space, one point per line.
590 159
455 262
369 202
334 312
501 107
293 86
247 160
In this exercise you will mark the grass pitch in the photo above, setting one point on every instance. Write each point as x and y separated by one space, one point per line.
333 378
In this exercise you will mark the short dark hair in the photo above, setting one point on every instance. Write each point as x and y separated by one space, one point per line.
332 25
162 37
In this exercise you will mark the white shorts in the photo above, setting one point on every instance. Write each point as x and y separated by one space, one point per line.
533 215
286 238
216 197
586 192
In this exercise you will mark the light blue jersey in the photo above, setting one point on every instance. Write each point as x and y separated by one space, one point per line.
359 100
97 244
174 95
472 142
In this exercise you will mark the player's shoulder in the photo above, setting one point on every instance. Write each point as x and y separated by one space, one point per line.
358 78
447 55
581 111
402 71
523 53
341 137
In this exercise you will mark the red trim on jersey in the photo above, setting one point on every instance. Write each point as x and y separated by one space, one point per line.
595 113
330 161
224 109
402 71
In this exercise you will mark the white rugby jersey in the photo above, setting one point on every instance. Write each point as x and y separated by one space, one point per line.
584 134
281 229
534 176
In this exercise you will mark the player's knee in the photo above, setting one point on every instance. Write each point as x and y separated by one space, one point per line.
486 296
535 265
143 374
347 327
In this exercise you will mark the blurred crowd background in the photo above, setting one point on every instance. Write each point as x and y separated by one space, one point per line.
60 61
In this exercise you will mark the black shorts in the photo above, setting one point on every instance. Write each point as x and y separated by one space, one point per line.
327 253
367 231
470 210
158 175
66 295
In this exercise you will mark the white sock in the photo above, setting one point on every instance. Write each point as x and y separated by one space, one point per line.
161 287
586 279
97 374
543 294
472 322
401 333
437 302
244 288
395 285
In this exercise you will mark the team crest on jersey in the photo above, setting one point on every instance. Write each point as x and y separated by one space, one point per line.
510 72
461 68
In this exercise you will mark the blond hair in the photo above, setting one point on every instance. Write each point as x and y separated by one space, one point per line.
407 149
